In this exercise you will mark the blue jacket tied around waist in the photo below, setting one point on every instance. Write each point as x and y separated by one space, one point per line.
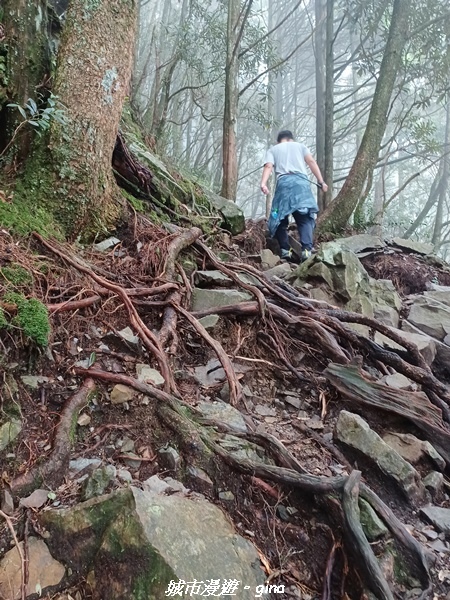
293 192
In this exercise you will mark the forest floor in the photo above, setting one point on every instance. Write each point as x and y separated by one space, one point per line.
277 383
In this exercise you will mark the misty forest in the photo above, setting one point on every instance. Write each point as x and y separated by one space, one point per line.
225 299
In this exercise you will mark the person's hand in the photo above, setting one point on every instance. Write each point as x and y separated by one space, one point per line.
265 189
324 187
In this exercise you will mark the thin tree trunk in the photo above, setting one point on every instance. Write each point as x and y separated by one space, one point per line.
329 105
339 212
229 159
432 198
437 230
320 50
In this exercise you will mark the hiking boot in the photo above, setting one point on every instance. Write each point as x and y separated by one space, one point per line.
289 256
306 254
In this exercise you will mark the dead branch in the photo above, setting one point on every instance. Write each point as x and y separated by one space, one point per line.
149 339
375 579
72 304
53 470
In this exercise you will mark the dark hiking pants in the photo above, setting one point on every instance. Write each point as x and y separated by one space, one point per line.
305 225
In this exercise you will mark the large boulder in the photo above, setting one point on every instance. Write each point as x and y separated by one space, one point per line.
206 299
412 246
361 242
132 544
425 344
354 431
430 316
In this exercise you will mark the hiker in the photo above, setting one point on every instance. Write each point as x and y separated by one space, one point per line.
293 194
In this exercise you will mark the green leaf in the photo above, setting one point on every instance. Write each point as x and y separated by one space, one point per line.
51 496
34 123
92 359
22 112
33 106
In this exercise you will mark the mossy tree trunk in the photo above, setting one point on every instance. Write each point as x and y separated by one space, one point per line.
24 63
69 171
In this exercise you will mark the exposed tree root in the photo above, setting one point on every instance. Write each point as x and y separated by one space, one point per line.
149 339
168 330
374 577
54 469
72 304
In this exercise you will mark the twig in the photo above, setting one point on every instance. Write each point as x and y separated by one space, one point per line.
19 550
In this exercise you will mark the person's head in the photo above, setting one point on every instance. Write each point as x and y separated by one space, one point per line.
285 136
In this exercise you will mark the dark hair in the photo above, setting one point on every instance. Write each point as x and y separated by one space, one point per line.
285 134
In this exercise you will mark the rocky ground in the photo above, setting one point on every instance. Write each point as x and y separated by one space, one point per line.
224 419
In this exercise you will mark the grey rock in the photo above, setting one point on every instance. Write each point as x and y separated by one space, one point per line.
106 244
386 315
121 394
226 496
439 546
282 271
318 270
323 296
373 526
412 246
431 534
383 292
293 401
425 344
241 448
7 502
430 316
9 431
211 278
210 321
146 374
210 374
223 413
441 295
176 537
233 217
34 381
132 460
440 517
169 458
269 259
35 500
434 482
128 336
126 444
82 464
83 420
176 485
412 449
200 480
265 411
98 481
124 475
353 430
156 485
43 570
398 381
361 242
207 299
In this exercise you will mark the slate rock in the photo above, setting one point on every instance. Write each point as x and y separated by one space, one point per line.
121 394
223 413
361 242
124 475
233 217
293 401
398 381
207 299
425 344
81 464
43 570
413 246
440 517
282 271
169 458
226 496
35 500
373 526
98 481
210 321
413 449
269 259
146 374
34 381
265 411
170 537
354 431
7 502
211 278
200 480
128 336
431 317
9 431
434 482
106 244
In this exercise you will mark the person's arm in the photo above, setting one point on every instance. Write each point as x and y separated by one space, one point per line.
265 178
309 160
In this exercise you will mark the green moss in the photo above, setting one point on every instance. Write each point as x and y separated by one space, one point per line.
16 275
32 317
3 319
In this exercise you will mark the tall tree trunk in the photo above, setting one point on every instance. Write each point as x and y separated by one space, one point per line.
443 186
432 198
329 105
229 159
71 176
24 52
339 212
320 50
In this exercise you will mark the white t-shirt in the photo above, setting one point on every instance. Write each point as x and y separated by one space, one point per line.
288 157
